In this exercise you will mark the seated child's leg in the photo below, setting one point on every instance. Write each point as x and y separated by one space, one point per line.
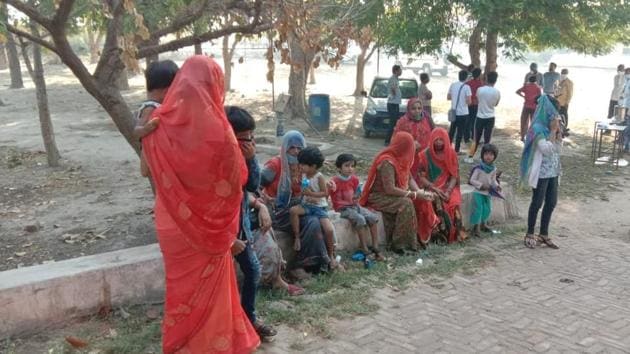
359 224
371 219
294 213
329 234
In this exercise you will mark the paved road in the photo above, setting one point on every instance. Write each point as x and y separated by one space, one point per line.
572 300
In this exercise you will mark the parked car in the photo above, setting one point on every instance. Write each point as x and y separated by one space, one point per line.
428 65
376 120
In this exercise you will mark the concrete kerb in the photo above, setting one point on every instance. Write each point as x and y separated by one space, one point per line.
37 297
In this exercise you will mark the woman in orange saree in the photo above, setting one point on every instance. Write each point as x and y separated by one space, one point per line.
438 172
198 171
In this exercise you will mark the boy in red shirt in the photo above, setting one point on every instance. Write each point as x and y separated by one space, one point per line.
529 92
344 199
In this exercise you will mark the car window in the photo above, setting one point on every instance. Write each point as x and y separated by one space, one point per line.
408 88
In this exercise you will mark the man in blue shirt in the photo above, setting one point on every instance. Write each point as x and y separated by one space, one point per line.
550 80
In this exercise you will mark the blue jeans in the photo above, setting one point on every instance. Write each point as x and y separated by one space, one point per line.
250 267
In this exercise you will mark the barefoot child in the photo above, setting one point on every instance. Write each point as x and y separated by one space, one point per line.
314 195
484 178
345 201
159 76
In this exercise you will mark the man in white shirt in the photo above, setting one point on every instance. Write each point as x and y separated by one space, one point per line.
460 96
394 98
488 97
617 91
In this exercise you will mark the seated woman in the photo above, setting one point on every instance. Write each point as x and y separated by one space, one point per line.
281 181
438 171
267 250
391 190
419 124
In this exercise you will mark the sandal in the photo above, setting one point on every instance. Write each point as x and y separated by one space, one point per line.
265 332
295 290
530 241
547 241
484 228
377 254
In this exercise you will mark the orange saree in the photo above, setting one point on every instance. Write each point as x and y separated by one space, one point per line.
198 172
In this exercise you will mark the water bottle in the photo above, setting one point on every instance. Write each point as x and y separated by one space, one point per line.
305 183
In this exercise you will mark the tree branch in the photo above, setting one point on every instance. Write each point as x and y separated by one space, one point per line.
29 11
32 38
62 14
183 19
367 58
254 27
108 63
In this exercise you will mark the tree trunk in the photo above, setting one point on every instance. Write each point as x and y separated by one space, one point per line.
151 58
122 82
311 75
198 50
45 123
362 60
491 51
14 63
300 65
227 63
4 63
94 44
474 46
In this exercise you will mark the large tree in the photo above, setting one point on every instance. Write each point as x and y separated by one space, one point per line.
311 31
125 25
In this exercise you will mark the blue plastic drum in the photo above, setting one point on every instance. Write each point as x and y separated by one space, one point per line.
319 107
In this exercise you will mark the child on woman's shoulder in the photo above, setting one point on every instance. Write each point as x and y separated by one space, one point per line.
314 200
344 199
484 178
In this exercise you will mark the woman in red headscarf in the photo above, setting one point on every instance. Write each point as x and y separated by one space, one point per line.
439 172
391 190
419 124
198 171
416 122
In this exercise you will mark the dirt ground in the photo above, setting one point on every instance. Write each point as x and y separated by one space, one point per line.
97 201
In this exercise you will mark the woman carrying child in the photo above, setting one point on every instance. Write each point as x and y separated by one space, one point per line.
540 169
391 190
281 182
345 201
484 178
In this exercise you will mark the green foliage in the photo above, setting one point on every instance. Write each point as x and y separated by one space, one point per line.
585 26
416 26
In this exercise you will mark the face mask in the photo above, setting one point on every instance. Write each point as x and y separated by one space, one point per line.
292 159
563 77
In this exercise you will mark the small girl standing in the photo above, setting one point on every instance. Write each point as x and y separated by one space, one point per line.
484 178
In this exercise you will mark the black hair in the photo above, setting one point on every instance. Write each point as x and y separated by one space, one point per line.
564 71
424 77
491 77
160 74
490 148
476 72
311 156
532 78
470 67
553 64
343 158
240 119
463 74
396 68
